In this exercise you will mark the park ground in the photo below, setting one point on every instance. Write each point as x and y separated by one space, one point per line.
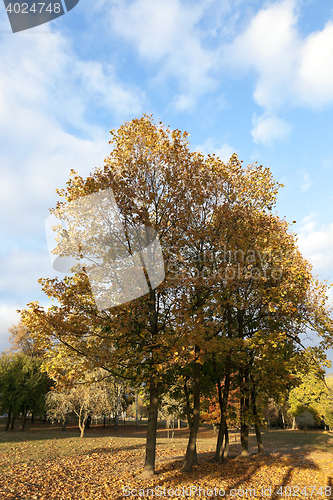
45 462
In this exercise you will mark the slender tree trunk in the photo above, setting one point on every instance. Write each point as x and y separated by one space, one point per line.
259 440
244 412
149 468
226 443
88 422
189 419
283 420
24 420
223 402
256 423
82 421
136 410
244 439
188 406
219 442
191 452
32 418
8 420
167 425
82 425
12 423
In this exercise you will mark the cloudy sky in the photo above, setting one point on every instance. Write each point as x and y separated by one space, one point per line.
244 76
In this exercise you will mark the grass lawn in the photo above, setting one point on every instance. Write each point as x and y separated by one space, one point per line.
45 462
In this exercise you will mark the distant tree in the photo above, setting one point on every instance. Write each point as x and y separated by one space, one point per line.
329 402
22 341
313 396
22 387
96 393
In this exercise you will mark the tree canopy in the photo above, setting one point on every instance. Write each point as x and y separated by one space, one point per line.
237 292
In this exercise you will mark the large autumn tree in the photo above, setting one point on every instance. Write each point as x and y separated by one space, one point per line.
158 183
200 207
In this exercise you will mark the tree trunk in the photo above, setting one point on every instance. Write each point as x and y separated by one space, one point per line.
189 420
283 420
24 420
244 439
244 411
149 468
82 422
12 423
259 440
88 422
191 452
82 426
223 402
8 420
188 406
32 417
256 423
167 425
226 443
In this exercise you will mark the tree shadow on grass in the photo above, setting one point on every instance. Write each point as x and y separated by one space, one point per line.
235 472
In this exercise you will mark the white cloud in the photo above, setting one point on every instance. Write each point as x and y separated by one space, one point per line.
168 33
101 81
315 75
270 46
292 70
40 105
316 244
176 36
306 181
8 317
47 94
21 269
224 152
269 128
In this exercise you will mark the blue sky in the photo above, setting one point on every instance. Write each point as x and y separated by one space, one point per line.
250 77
